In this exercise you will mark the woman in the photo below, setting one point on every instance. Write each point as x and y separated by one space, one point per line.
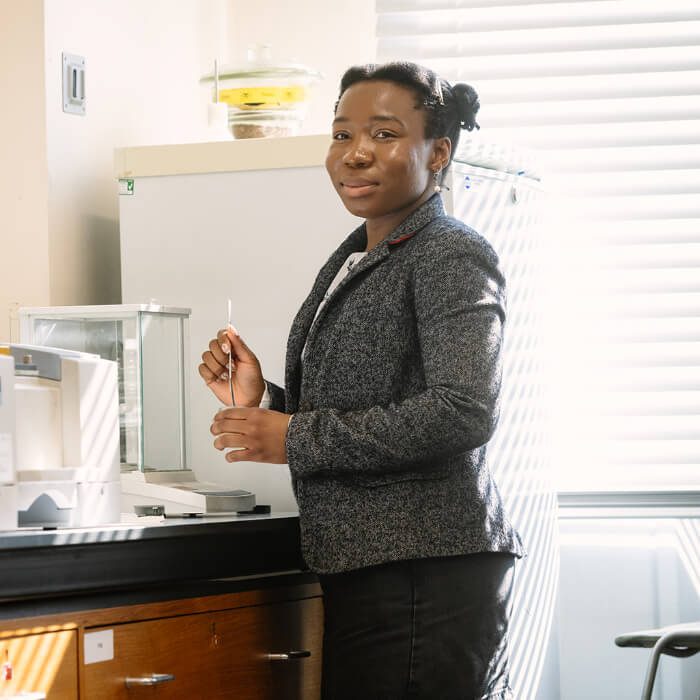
392 380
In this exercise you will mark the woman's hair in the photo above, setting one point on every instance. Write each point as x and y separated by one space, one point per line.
448 108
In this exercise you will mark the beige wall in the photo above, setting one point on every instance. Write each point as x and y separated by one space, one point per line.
24 265
330 35
144 61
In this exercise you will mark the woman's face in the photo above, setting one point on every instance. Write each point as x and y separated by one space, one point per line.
379 160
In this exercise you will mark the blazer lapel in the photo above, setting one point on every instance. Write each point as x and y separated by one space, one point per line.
413 223
301 324
304 327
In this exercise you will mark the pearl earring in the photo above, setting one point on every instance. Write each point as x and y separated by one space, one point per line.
436 179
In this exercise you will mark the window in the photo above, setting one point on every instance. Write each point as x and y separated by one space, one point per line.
608 93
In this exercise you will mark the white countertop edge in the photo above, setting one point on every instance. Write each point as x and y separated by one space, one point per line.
129 530
221 156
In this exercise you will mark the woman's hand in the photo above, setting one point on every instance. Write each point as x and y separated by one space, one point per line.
248 382
262 434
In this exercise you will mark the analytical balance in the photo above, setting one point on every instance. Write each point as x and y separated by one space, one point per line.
150 345
59 438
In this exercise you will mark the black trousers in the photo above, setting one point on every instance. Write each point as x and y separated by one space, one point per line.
424 629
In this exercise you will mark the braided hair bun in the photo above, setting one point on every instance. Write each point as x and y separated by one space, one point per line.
467 102
448 108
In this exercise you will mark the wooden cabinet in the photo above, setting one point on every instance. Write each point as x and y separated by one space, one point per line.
255 643
238 653
45 663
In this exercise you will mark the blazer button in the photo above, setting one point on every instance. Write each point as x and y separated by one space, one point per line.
305 405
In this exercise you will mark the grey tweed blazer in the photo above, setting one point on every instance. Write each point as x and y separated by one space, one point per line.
397 398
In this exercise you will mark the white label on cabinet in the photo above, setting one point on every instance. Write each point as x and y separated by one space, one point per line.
99 646
126 186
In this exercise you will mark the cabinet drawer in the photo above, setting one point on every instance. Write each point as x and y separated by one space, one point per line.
44 663
295 626
222 654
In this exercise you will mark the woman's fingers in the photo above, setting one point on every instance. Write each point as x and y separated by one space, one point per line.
214 367
231 425
226 429
223 341
240 349
206 374
215 360
217 352
229 440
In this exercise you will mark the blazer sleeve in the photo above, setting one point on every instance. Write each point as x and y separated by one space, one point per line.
460 312
276 396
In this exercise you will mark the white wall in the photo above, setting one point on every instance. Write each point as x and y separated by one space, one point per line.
24 263
144 61
329 35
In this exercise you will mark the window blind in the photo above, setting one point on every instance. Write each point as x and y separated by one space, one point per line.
607 92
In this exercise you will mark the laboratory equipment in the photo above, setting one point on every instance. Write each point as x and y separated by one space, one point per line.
264 98
61 433
150 344
217 114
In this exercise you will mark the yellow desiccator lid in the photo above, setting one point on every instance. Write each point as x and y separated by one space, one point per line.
268 96
262 81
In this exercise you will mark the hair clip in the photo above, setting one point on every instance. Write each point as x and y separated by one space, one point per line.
439 91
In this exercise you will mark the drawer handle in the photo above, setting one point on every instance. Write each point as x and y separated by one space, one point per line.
289 655
153 679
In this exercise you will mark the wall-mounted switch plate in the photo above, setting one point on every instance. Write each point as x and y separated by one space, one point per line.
73 84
